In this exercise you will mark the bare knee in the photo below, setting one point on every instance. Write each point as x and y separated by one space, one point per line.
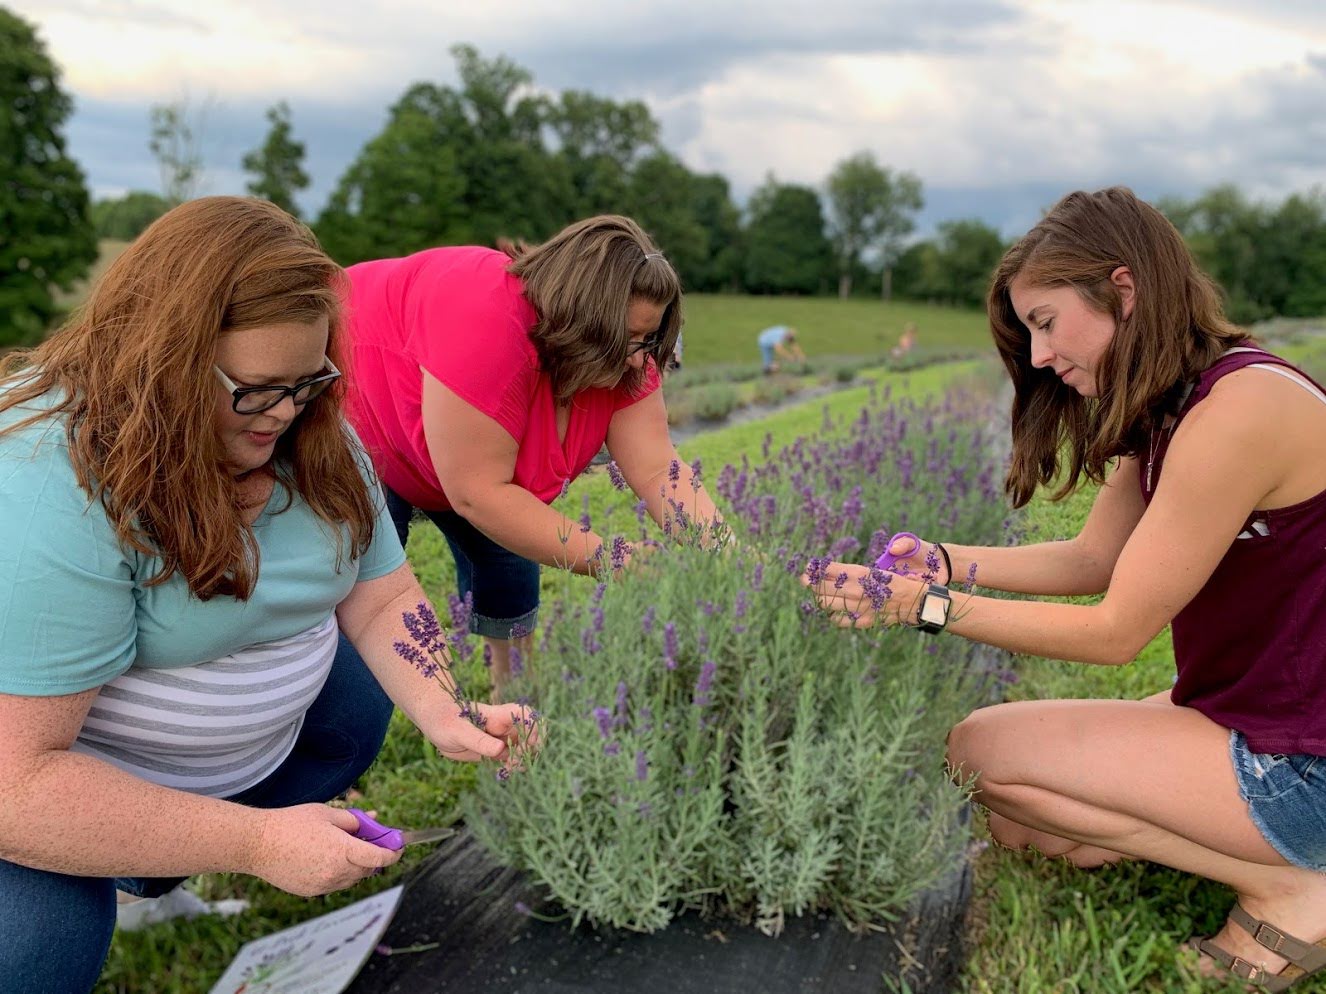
973 744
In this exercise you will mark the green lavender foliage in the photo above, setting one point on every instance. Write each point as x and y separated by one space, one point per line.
713 741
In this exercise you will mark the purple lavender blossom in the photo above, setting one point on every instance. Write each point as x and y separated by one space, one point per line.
622 709
620 550
516 660
695 475
704 683
615 475
584 515
647 620
604 718
674 472
971 578
641 766
612 749
503 774
816 568
670 645
757 577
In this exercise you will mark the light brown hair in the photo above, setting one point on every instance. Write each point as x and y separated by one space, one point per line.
1177 328
131 376
581 282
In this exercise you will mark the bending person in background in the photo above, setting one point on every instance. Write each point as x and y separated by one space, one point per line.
484 381
186 525
778 343
1211 516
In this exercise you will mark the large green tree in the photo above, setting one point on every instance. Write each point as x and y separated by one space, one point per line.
872 210
786 248
600 143
46 238
452 165
277 165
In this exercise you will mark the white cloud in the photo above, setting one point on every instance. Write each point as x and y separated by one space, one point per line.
973 95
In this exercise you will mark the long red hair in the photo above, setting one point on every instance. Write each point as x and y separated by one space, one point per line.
130 375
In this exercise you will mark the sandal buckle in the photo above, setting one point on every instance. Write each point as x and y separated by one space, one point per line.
1265 929
1244 970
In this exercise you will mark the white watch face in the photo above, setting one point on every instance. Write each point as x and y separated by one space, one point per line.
934 609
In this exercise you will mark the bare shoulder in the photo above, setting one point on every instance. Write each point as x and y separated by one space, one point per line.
1273 428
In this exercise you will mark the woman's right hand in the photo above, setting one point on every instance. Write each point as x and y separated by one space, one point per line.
309 850
924 560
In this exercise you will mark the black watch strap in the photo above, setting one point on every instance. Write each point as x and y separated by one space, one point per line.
935 607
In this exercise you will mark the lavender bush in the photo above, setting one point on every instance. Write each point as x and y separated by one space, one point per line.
711 741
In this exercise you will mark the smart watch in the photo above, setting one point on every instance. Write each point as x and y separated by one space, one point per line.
935 606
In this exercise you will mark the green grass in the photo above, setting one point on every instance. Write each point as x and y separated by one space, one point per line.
722 327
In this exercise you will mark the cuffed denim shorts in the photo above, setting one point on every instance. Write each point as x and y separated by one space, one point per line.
1286 797
505 586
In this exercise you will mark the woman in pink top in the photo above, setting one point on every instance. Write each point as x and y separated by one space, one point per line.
483 382
1211 516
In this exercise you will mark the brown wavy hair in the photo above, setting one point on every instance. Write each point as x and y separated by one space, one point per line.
131 376
581 282
1177 328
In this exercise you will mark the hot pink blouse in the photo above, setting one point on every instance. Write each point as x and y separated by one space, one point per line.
458 314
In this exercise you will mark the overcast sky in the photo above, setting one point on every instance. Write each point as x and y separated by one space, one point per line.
1000 106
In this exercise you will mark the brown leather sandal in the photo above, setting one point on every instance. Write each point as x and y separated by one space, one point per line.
1305 959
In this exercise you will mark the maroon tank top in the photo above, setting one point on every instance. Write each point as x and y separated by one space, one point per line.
1251 646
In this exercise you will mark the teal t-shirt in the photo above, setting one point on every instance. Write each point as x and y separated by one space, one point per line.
75 608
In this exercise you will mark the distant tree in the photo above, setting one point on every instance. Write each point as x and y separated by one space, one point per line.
872 211
46 238
955 267
124 218
721 220
1223 229
278 165
786 248
175 141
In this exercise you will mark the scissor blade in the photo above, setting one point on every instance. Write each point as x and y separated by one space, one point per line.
427 835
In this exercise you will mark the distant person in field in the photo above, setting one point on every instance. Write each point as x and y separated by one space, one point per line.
779 343
484 381
906 342
1210 453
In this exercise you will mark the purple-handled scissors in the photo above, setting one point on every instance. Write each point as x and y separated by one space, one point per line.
393 838
888 558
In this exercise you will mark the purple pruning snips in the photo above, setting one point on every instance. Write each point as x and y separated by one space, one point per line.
888 559
393 838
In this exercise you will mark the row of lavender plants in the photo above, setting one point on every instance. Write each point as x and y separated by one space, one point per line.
711 741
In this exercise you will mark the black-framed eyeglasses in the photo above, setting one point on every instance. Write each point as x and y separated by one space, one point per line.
255 400
650 343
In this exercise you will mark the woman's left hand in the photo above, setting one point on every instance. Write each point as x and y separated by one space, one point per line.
858 596
506 728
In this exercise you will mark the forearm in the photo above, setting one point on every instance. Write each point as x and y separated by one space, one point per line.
1052 569
1075 632
75 814
518 521
426 701
685 497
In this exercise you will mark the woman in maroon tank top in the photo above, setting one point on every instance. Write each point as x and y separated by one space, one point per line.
1211 515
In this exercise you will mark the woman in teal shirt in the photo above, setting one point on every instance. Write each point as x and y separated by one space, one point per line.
199 593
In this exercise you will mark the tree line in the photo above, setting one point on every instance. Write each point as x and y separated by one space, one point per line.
491 157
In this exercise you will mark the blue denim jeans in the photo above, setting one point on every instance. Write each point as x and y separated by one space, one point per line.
55 929
505 586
